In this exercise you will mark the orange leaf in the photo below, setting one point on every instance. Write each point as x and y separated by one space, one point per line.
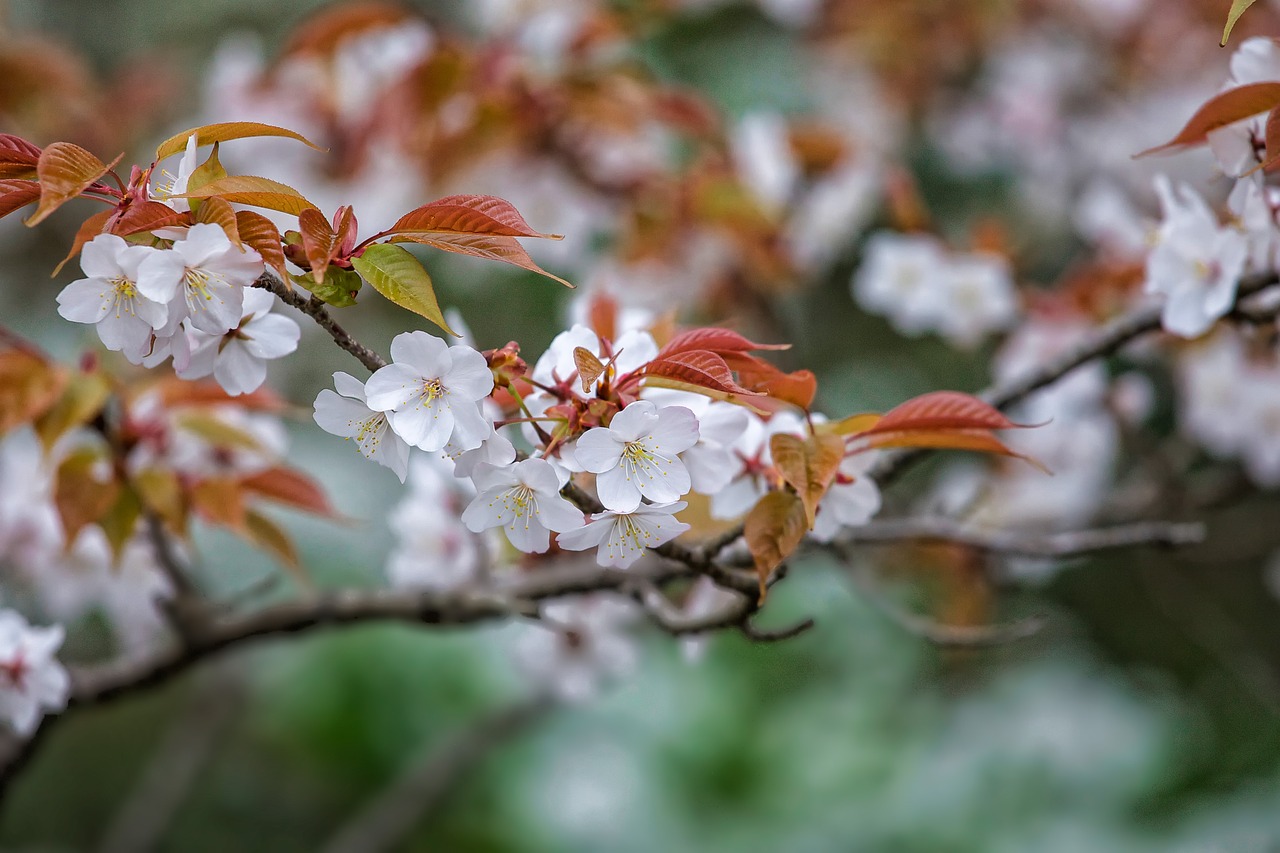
29 387
807 465
147 216
773 530
590 368
468 214
318 241
220 500
258 192
977 440
269 536
225 132
260 234
325 30
218 212
88 229
487 246
699 367
290 487
15 194
941 410
65 170
83 398
796 388
84 490
852 425
716 340
1221 110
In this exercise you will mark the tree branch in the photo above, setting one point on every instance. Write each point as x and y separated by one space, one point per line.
314 308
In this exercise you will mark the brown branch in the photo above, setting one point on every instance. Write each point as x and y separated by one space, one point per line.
418 795
315 308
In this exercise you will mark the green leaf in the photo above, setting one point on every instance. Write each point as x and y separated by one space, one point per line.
398 276
1237 9
339 289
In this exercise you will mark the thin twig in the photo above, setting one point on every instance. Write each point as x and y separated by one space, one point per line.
314 308
418 795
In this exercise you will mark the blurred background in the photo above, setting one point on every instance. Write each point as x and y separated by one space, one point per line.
1145 715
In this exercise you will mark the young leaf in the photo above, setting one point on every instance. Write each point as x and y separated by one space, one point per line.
82 399
590 368
468 214
29 386
82 493
1238 8
65 170
121 521
291 488
146 216
975 440
339 289
798 388
218 212
1221 110
808 466
318 241
207 172
225 132
492 248
270 537
16 194
254 191
941 410
398 276
716 340
160 490
260 234
773 530
700 368
220 500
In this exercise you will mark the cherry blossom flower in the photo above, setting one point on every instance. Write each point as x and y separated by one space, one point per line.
238 358
524 500
431 393
1196 264
977 298
621 538
346 413
175 185
434 550
31 679
202 278
578 644
901 278
711 462
638 455
110 297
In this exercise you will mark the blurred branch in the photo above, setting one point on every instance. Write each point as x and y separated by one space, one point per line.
418 795
1020 544
315 309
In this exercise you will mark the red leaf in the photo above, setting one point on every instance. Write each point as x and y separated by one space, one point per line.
976 440
798 388
18 158
487 246
701 368
260 234
1221 110
15 194
318 241
290 487
147 216
941 410
468 214
65 171
324 31
218 212
716 340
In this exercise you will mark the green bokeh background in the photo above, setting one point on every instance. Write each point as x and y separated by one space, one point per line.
1146 716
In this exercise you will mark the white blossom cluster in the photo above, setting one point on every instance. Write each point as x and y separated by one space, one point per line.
922 287
192 301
